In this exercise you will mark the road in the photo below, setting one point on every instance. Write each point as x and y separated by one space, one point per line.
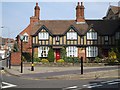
9 81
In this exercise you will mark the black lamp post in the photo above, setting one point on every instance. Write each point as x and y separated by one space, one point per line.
9 57
32 67
21 39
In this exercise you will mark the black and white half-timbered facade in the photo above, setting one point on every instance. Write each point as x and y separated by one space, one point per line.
80 37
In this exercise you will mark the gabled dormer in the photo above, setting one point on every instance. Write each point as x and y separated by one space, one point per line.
26 37
91 34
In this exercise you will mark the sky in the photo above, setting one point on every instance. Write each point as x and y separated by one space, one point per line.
15 16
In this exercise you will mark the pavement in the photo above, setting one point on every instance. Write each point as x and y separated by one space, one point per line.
68 73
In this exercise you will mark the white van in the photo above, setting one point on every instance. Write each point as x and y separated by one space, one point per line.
2 54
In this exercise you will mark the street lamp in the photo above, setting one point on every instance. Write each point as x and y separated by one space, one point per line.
21 39
32 67
9 57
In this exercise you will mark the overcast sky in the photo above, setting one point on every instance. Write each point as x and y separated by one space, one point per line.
16 15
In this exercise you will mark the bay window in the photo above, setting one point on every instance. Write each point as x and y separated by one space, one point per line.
91 51
43 51
72 51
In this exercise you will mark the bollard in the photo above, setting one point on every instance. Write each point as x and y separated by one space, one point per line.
81 65
32 67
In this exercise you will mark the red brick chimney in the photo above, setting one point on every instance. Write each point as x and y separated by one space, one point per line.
37 11
80 13
35 18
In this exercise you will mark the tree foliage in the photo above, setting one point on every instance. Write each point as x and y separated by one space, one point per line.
51 55
15 47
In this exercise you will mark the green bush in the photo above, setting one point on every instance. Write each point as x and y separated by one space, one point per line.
98 60
63 53
72 60
60 61
44 61
27 56
37 59
51 55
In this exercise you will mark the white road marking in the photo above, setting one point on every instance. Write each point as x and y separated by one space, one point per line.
73 87
94 86
113 83
116 81
110 81
8 85
90 84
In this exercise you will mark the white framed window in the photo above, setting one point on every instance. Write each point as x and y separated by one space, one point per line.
43 35
92 35
106 38
72 51
71 35
43 51
91 51
57 38
117 35
26 38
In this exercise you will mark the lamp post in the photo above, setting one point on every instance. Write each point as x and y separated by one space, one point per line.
32 67
21 39
9 57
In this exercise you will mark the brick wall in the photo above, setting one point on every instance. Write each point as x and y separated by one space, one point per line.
15 58
81 53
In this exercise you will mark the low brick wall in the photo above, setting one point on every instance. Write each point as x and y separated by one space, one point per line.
15 58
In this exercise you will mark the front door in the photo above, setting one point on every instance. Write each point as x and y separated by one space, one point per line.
57 54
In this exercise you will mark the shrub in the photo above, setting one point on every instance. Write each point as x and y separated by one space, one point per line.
112 55
69 60
27 56
72 60
51 55
63 53
98 60
60 61
37 59
44 61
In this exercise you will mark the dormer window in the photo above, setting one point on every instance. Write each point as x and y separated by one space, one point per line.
92 35
26 38
57 38
43 35
71 35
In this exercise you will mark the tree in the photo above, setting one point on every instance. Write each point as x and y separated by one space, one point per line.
63 53
15 47
51 55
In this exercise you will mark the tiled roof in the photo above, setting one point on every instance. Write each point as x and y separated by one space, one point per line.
59 27
115 9
105 27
